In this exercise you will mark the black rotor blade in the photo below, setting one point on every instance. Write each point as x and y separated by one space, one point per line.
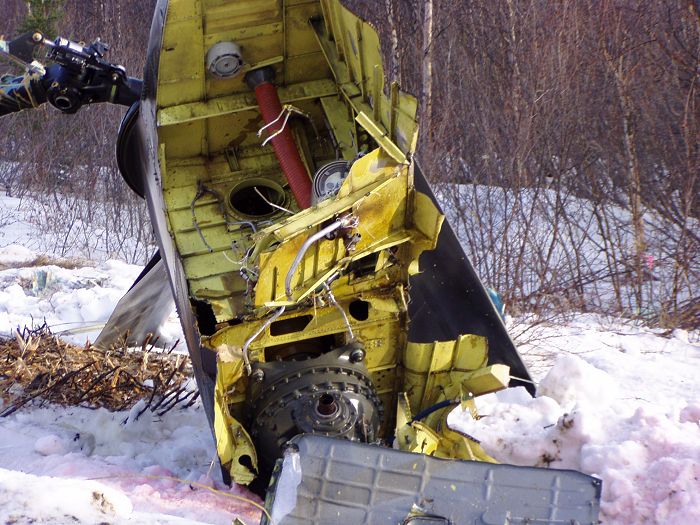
22 47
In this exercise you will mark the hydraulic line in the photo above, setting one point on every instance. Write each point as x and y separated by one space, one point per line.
434 408
260 330
261 81
340 223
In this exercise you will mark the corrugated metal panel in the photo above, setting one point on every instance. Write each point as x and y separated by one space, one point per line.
324 480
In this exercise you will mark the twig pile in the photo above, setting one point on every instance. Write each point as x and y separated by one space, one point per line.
37 366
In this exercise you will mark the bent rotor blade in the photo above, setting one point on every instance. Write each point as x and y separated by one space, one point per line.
20 50
142 310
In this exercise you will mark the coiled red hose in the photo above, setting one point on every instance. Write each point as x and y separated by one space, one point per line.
284 145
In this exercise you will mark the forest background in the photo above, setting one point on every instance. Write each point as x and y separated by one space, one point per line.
562 137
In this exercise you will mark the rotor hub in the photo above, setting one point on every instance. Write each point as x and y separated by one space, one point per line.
329 395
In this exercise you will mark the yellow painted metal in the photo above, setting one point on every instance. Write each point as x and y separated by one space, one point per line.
351 47
433 436
380 135
181 76
224 105
342 126
202 117
422 438
487 380
452 443
382 223
430 368
440 371
382 334
232 440
328 64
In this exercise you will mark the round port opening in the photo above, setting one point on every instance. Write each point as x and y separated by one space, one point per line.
257 198
326 406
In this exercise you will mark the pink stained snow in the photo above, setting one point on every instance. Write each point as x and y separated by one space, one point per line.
61 465
616 401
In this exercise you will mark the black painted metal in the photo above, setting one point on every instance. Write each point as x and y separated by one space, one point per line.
128 162
449 299
145 147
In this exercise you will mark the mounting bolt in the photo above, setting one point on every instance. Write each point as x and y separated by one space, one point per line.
357 355
258 376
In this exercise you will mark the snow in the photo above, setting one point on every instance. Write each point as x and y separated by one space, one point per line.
615 400
73 296
100 466
289 480
16 254
74 302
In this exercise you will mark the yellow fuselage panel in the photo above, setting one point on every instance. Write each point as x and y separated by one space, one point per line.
238 247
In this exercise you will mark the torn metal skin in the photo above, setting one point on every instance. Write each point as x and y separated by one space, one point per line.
275 283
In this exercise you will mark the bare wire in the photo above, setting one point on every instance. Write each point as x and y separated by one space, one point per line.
277 206
246 345
334 302
288 109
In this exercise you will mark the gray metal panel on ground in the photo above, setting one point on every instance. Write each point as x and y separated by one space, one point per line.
332 481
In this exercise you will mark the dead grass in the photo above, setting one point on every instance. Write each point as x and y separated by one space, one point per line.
69 263
37 367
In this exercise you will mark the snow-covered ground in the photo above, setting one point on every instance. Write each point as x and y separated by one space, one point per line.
74 302
615 400
72 295
76 465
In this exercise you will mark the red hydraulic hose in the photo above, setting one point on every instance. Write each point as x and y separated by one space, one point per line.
284 145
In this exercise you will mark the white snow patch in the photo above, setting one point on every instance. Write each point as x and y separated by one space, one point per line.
617 401
50 444
16 254
74 303
145 470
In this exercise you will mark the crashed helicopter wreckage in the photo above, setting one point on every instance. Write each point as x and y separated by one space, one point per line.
326 305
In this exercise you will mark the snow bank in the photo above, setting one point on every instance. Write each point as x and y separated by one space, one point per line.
620 403
74 302
15 254
26 499
75 465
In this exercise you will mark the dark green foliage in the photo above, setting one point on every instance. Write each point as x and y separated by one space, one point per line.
42 15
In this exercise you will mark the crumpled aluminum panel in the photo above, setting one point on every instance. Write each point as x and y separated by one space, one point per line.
324 480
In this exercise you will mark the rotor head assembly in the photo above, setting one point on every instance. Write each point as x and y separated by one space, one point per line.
330 394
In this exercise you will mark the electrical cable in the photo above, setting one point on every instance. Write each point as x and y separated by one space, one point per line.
434 408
